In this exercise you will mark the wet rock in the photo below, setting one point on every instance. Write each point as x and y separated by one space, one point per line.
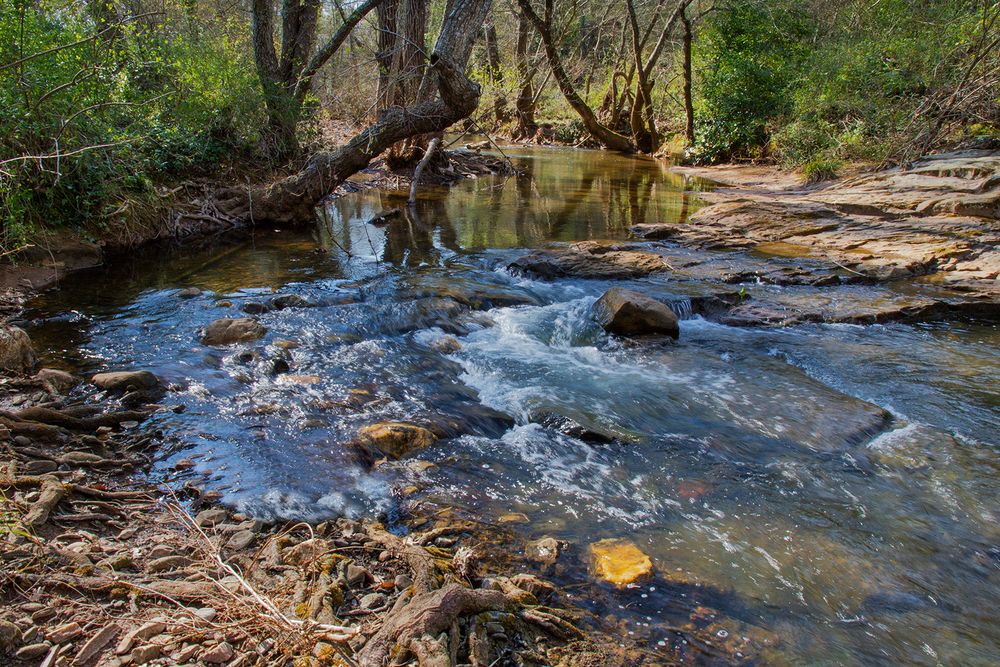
122 381
59 380
654 231
189 293
292 378
545 550
285 344
227 331
255 308
619 562
289 301
16 355
446 345
218 654
591 259
629 313
395 439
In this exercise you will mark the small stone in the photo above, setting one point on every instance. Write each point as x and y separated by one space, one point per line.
65 633
186 654
545 550
373 601
224 304
59 380
189 293
446 345
357 576
168 563
285 344
402 582
122 561
9 635
143 654
218 654
240 540
96 644
620 562
211 517
184 464
32 651
144 631
227 331
161 550
207 614
42 615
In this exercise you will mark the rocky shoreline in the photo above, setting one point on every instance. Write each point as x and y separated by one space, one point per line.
925 240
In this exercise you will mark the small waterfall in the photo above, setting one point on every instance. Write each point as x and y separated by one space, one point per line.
682 309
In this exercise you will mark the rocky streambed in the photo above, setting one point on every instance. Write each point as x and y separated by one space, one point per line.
568 418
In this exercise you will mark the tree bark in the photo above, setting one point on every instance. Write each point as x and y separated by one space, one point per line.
287 80
293 199
601 133
688 99
500 114
524 106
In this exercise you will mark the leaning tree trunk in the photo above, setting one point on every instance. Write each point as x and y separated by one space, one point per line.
601 133
294 199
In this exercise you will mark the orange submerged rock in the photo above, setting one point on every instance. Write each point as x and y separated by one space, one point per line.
620 562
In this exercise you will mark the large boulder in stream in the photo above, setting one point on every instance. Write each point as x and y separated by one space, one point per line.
628 313
16 355
227 331
395 440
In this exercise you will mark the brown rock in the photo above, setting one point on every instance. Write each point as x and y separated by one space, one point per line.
396 439
218 654
227 331
59 380
96 644
545 550
126 380
65 633
16 355
620 562
629 313
143 654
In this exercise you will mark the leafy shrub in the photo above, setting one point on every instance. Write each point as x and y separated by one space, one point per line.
821 169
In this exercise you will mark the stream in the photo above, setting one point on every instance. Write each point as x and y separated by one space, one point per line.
831 490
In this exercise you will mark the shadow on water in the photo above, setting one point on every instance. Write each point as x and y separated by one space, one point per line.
813 494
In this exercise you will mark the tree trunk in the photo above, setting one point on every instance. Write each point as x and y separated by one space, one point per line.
293 199
688 100
500 113
641 134
602 134
287 81
524 106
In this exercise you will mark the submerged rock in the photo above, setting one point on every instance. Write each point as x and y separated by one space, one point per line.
591 259
227 331
396 439
545 550
16 355
622 311
619 562
126 381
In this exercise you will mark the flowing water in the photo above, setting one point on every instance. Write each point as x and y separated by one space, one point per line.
831 490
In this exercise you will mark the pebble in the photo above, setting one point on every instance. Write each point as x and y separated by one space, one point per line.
96 643
206 614
240 540
373 601
403 582
218 654
357 575
168 563
144 631
32 651
143 654
65 633
186 654
211 517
